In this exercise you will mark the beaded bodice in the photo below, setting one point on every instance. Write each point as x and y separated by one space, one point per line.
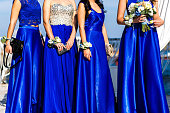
30 13
61 15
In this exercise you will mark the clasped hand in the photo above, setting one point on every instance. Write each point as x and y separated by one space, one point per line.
156 22
87 54
139 19
68 45
8 47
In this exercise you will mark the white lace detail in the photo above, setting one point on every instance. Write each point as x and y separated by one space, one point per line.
61 15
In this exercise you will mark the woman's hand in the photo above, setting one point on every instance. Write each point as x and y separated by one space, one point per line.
87 54
60 46
158 22
8 47
69 44
139 19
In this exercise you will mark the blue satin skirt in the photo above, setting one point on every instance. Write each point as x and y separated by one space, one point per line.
59 74
94 88
25 82
140 83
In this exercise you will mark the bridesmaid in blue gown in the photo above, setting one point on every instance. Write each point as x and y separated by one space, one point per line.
140 83
59 20
94 88
25 82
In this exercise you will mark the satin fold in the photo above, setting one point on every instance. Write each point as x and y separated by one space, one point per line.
94 88
140 83
59 74
25 82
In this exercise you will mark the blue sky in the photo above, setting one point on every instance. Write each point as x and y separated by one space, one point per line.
113 29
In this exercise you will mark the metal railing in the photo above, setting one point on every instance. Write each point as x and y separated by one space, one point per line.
165 58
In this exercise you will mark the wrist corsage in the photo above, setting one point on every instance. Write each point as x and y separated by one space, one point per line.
4 39
85 45
54 41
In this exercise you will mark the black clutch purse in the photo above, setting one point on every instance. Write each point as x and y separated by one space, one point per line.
61 52
17 48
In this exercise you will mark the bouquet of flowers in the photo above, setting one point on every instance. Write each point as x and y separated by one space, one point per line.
138 9
54 41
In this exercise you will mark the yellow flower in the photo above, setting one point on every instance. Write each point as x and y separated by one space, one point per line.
151 22
57 39
148 5
127 18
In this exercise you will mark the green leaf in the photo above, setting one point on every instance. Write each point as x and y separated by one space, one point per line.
136 6
3 40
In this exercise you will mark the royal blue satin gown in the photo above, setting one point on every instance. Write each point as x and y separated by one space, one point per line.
94 88
25 82
59 70
140 83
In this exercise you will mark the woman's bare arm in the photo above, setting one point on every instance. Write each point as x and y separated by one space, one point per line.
105 34
157 20
121 11
13 20
46 17
81 21
70 42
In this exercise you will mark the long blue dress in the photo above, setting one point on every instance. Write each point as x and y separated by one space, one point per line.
140 83
25 82
94 88
59 70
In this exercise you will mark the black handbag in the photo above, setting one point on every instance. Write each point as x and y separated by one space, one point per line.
17 48
61 52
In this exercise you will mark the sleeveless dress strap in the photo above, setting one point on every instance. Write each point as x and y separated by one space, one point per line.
23 2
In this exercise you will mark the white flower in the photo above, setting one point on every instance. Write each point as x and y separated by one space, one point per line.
151 12
148 5
50 41
151 22
130 20
133 15
126 17
141 8
154 9
87 44
131 7
57 39
127 23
